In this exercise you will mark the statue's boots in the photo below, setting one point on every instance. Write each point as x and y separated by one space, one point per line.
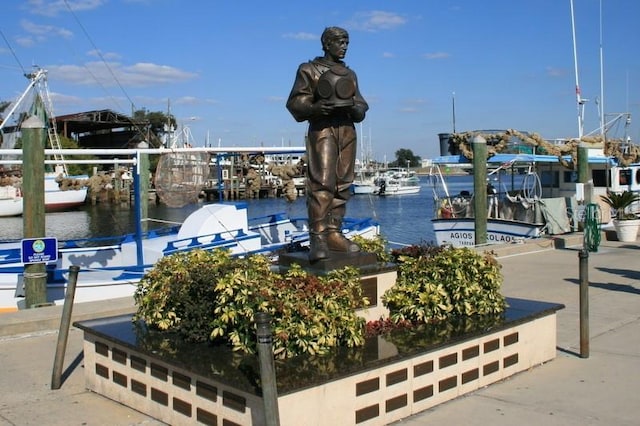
318 246
338 242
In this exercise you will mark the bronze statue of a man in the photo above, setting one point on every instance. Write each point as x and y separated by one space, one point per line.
326 94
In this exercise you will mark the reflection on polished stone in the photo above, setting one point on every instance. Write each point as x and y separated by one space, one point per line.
241 370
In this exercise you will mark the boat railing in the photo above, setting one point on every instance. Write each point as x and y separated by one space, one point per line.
500 204
225 239
115 239
270 218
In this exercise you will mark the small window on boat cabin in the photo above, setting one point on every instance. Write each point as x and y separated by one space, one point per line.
550 178
637 177
599 178
624 177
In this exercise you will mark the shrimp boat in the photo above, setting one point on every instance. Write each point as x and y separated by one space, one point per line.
57 197
552 201
512 214
531 195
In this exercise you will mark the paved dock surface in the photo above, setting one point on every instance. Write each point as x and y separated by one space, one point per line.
602 389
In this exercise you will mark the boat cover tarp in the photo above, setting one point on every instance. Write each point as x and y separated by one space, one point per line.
554 211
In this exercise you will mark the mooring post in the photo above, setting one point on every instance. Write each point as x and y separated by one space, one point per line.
584 303
65 322
479 145
583 163
143 169
267 369
33 218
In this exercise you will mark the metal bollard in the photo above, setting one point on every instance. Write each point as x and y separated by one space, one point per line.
65 322
584 303
267 369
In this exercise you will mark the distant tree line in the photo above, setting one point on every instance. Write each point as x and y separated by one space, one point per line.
404 158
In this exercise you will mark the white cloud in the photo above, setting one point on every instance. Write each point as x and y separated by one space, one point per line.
437 55
556 72
65 100
44 30
376 20
301 36
103 55
25 41
137 75
276 99
53 7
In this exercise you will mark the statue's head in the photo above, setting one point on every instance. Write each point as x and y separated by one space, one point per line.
331 34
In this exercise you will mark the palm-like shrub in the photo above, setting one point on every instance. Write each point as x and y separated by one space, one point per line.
620 202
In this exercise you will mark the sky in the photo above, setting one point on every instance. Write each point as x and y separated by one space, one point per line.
224 69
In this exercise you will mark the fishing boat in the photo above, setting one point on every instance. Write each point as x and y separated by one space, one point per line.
363 187
36 99
397 181
548 201
111 267
10 201
365 182
513 214
55 198
553 201
366 170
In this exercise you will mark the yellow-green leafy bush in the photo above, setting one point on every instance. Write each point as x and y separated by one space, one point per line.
213 296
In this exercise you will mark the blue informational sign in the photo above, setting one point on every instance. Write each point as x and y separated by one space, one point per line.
39 250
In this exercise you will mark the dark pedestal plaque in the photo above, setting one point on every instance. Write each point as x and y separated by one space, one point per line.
336 260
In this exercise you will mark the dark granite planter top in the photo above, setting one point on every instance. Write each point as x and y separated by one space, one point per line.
241 371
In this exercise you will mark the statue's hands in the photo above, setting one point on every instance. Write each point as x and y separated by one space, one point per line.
323 108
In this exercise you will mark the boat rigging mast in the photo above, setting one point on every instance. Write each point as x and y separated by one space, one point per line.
579 99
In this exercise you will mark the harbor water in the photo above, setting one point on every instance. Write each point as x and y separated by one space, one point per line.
403 219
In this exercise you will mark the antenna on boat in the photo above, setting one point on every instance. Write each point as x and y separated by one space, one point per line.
602 117
580 100
453 105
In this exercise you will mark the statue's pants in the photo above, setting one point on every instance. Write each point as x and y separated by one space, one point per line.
331 152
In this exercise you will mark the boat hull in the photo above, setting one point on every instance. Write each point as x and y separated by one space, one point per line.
64 200
460 232
113 270
58 199
10 201
11 207
400 190
362 188
55 199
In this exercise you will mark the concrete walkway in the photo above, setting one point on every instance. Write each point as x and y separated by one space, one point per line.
602 389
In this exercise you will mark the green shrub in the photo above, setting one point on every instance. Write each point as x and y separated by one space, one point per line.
375 245
438 283
212 296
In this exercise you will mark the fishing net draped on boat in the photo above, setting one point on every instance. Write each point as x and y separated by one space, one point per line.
180 176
